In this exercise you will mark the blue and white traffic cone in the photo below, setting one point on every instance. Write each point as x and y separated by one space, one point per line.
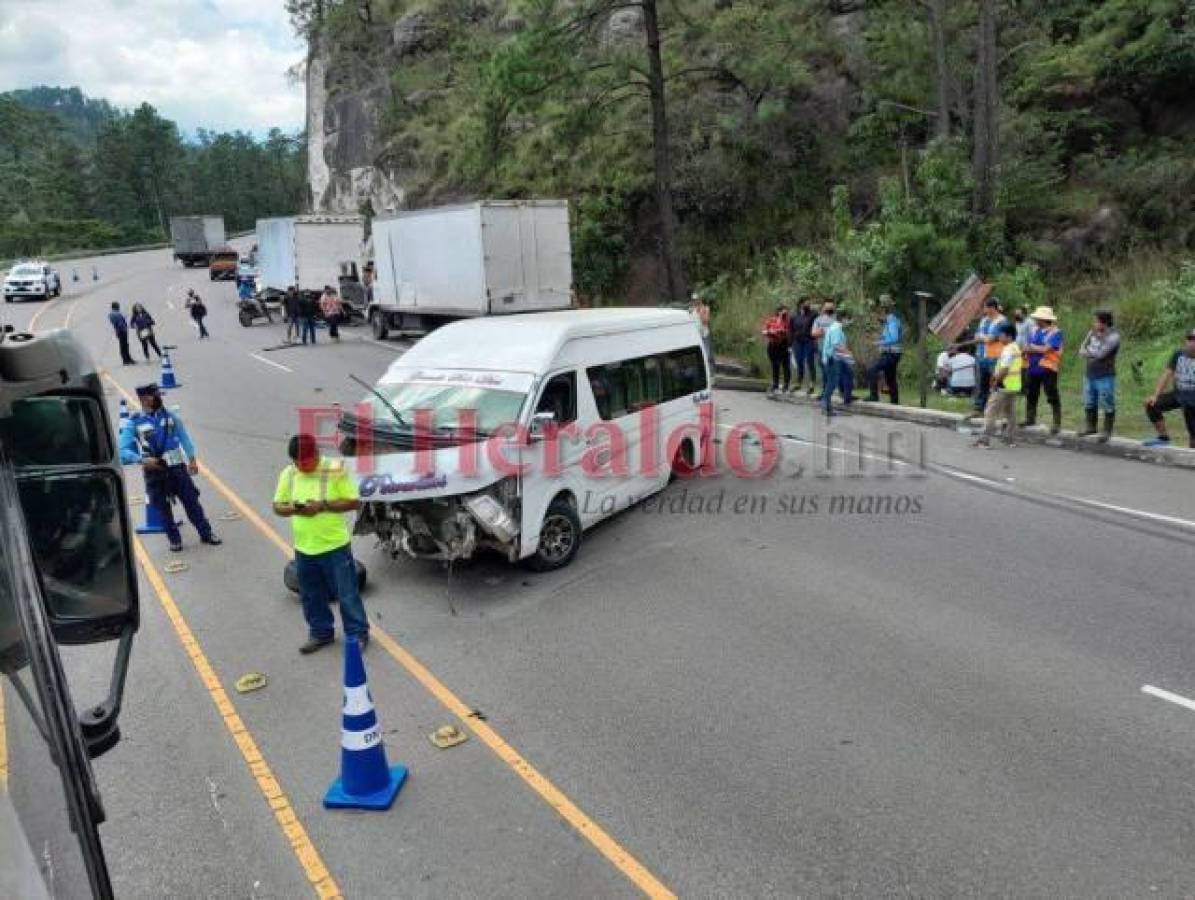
95 274
366 780
75 274
124 412
167 379
154 524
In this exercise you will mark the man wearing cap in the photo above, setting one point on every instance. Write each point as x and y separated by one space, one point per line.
1006 385
315 493
987 350
1175 390
1043 351
158 440
890 349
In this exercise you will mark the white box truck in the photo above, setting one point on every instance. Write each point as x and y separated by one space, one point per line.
195 238
309 251
477 259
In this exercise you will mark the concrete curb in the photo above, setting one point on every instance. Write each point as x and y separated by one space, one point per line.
1120 448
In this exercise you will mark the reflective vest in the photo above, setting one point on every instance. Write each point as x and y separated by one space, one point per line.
1012 361
990 327
1051 359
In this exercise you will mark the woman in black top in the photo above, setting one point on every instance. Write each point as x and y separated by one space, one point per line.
143 323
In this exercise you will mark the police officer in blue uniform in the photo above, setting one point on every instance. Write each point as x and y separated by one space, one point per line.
158 440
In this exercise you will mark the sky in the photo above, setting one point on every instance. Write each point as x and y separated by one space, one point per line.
216 64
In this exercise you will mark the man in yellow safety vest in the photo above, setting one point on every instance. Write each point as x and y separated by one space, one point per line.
1006 386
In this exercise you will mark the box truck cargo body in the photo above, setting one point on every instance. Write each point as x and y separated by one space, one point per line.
308 251
478 259
195 238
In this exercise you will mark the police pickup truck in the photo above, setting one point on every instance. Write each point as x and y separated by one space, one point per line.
31 279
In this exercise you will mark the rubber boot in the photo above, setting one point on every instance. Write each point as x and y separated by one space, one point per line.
1056 411
1109 422
1093 423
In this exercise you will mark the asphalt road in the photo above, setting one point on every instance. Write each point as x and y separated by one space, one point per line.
777 697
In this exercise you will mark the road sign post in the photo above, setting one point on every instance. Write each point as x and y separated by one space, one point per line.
923 345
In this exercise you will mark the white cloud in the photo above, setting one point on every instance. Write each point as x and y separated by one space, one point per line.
217 64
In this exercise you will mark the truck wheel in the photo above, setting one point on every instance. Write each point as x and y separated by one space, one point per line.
377 322
245 317
559 537
290 576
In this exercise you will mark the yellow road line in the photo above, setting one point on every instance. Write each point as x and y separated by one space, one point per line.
622 860
317 873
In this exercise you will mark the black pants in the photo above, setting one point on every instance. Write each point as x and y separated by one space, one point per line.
202 328
147 342
122 338
1035 382
1167 403
333 326
886 366
779 358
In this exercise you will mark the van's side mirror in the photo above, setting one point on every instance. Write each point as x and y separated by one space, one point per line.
541 424
75 516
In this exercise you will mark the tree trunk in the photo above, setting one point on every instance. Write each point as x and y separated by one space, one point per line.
674 275
987 98
937 24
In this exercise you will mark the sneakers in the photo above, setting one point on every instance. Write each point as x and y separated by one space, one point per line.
176 548
211 540
1156 443
314 644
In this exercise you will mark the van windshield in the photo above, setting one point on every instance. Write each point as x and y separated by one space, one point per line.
26 270
452 406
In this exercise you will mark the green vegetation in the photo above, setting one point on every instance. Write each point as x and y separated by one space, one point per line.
78 174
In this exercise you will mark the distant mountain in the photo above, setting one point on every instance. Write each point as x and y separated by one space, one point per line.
81 116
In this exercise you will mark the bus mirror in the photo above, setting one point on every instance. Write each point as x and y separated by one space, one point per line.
541 424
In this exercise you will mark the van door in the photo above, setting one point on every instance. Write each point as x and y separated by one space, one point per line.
553 460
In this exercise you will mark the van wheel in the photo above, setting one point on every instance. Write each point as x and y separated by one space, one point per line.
684 463
559 537
377 322
245 317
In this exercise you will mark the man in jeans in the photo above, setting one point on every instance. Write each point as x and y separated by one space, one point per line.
1006 386
800 331
1175 390
837 363
987 350
120 325
315 493
890 350
1100 348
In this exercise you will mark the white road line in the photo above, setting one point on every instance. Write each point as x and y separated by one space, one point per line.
270 362
1176 699
1128 510
843 450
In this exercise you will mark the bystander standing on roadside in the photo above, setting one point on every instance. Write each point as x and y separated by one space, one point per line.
1006 386
198 312
700 310
1100 348
307 311
987 350
290 311
314 493
889 346
1175 390
775 335
837 363
804 347
823 321
121 327
143 324
333 310
1024 323
1043 354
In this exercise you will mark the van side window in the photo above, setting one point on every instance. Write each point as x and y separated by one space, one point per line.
559 397
632 385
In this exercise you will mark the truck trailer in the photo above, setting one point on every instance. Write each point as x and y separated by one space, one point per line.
477 259
195 238
309 252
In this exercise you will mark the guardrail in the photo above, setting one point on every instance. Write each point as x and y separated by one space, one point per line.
109 251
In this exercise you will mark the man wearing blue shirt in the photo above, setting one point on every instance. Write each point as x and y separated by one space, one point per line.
889 345
158 440
121 326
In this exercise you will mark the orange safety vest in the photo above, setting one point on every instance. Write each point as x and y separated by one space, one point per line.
1051 359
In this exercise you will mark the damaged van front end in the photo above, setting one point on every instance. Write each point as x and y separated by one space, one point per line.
429 489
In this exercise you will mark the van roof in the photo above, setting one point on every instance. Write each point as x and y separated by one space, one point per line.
528 342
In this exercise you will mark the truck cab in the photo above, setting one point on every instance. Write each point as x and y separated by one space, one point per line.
31 279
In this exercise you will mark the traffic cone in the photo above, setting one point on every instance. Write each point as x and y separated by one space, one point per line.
75 274
366 780
95 274
124 411
167 379
154 523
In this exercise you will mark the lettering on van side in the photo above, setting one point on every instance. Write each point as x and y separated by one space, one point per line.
384 484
